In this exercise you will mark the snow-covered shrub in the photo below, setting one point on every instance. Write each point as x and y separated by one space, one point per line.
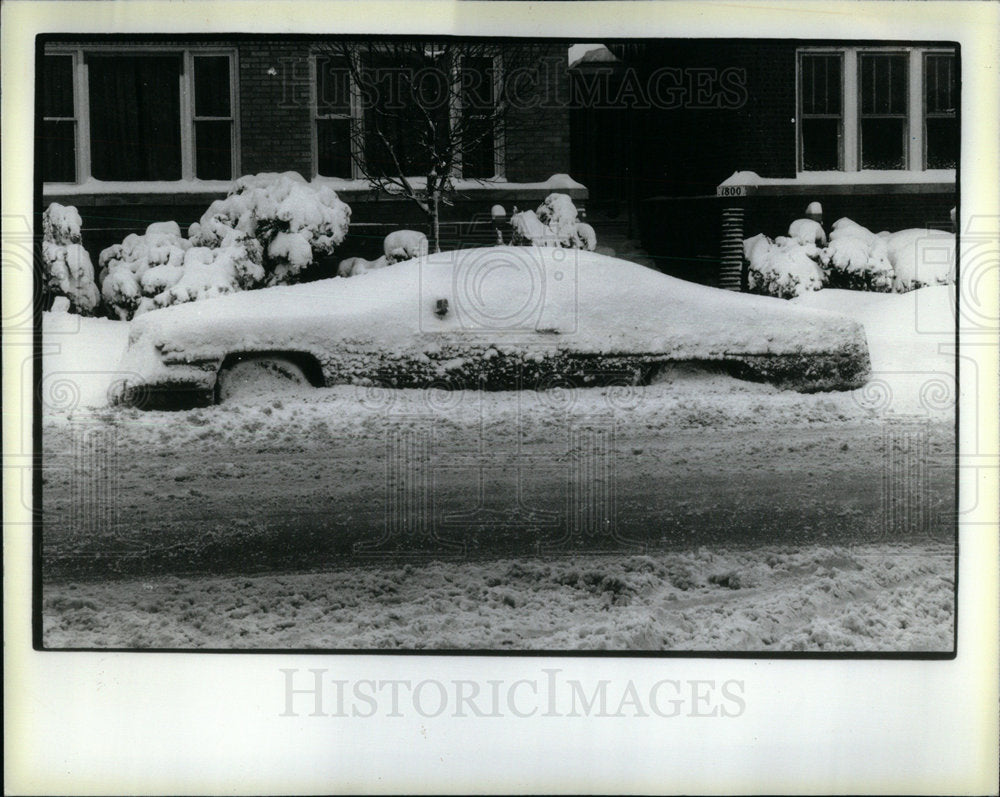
784 267
68 270
854 258
208 272
355 266
921 257
124 267
857 259
160 268
807 231
404 245
294 221
554 223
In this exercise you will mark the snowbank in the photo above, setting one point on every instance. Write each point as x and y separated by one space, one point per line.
499 315
68 270
80 361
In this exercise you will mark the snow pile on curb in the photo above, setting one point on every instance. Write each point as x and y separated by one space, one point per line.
68 270
854 258
554 224
449 318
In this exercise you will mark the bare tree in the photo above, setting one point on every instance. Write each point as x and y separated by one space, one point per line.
419 115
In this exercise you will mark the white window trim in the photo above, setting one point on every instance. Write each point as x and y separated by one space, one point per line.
81 99
914 151
357 119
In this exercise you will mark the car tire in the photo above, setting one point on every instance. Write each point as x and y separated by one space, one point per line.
259 376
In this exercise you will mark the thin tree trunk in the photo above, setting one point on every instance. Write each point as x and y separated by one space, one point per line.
435 213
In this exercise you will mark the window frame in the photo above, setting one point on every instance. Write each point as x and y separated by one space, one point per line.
77 122
358 127
914 150
800 114
923 94
81 99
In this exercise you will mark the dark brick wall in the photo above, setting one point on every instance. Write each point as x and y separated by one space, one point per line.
766 133
275 115
538 133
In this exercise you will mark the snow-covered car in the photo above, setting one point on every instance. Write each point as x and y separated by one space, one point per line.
493 318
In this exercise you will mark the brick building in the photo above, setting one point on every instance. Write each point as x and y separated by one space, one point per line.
151 129
755 130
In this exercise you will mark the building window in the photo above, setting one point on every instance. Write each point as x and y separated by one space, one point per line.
138 115
333 117
877 108
478 116
213 117
373 110
883 81
821 104
940 119
135 131
57 141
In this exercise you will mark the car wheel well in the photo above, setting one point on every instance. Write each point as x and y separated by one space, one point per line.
307 362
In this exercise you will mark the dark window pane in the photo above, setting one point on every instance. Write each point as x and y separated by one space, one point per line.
942 143
477 158
883 84
820 84
940 83
57 149
213 150
406 110
135 131
477 82
882 143
333 137
820 144
211 85
57 86
333 86
477 130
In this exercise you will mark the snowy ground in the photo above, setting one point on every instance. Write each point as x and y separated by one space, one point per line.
747 518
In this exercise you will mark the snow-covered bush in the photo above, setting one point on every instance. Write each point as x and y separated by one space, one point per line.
784 267
124 267
921 257
294 221
404 245
355 266
807 231
68 270
854 258
160 268
554 223
857 259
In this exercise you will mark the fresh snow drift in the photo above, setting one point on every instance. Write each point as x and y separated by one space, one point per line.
502 318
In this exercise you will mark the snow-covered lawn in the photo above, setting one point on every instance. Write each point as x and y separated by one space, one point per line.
762 509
